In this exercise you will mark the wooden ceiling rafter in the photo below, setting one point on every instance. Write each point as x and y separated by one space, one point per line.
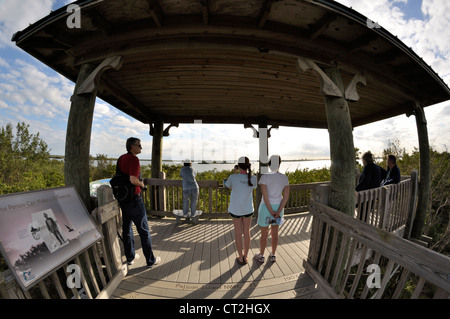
155 12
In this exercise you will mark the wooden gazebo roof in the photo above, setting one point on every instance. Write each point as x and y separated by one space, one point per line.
233 61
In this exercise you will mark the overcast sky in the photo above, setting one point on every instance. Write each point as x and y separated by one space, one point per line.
32 93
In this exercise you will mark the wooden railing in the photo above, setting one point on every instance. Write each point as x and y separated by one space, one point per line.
349 258
163 196
347 254
389 207
100 265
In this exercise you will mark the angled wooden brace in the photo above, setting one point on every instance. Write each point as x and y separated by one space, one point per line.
92 81
327 86
350 93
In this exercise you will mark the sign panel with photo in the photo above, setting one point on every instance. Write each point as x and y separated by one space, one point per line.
42 230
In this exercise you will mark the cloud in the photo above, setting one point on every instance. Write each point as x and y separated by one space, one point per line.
429 38
17 15
27 90
32 93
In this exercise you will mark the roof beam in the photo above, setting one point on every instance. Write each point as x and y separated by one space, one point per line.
387 57
361 42
155 12
321 25
265 13
121 94
60 37
99 21
204 4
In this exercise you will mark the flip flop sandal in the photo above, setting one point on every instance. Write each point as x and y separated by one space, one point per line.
243 262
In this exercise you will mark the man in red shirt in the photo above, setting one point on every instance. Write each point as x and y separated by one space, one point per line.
133 210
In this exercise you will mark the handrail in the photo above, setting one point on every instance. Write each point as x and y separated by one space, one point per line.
342 247
387 207
165 195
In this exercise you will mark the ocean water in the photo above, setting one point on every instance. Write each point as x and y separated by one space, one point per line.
284 167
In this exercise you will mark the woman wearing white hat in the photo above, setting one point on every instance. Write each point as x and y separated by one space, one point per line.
241 206
275 194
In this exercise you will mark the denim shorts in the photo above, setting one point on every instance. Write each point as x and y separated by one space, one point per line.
264 214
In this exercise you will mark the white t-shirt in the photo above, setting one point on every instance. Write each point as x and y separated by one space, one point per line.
275 182
241 199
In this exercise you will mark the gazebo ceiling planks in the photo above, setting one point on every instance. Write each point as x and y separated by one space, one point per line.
233 61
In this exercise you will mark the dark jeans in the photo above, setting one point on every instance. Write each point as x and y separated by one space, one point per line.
133 211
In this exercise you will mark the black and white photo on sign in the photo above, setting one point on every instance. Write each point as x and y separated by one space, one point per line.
48 228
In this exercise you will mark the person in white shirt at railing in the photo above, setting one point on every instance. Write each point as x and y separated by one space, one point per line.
275 194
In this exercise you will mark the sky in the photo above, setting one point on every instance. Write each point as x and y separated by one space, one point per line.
31 92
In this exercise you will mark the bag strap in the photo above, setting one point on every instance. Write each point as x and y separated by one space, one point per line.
118 171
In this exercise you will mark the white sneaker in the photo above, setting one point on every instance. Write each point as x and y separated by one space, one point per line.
136 257
157 261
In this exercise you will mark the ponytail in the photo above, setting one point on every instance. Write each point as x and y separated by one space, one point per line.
244 163
249 175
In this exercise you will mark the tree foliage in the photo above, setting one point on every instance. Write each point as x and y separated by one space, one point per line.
25 162
437 222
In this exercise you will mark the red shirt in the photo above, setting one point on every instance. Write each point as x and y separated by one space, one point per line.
129 164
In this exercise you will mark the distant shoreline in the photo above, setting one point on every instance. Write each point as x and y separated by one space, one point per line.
61 157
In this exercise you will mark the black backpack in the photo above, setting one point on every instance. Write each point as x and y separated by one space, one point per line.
121 186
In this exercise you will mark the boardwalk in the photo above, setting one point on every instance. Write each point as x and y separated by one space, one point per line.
199 261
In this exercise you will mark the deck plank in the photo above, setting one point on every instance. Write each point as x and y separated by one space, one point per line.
199 261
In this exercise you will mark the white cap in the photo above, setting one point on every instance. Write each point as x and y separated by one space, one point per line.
241 160
187 160
274 163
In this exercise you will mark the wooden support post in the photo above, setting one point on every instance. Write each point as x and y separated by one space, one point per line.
342 151
157 143
342 192
263 149
157 132
424 173
79 126
78 138
412 205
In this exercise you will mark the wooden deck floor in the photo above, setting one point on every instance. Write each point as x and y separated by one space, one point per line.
199 261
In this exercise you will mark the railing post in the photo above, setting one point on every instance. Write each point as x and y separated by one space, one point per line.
9 289
321 194
384 208
162 194
105 196
412 205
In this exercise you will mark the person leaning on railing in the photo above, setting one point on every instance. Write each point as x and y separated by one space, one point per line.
393 172
190 189
372 174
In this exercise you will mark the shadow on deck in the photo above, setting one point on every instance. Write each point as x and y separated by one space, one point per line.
199 261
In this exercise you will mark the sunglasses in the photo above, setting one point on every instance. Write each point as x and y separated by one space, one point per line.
138 145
